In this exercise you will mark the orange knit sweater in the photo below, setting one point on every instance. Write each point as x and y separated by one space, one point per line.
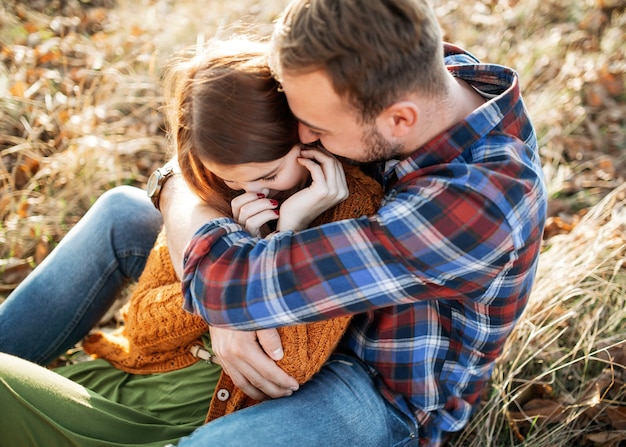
157 333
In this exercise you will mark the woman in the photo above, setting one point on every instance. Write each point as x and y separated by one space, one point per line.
235 137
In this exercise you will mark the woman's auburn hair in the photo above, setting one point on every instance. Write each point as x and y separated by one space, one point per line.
224 106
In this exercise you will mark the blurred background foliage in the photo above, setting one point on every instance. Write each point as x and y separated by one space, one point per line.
80 112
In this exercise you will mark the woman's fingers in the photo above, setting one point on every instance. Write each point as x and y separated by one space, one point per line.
256 225
327 173
242 200
253 211
328 187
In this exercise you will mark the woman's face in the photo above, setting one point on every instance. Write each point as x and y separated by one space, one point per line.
277 179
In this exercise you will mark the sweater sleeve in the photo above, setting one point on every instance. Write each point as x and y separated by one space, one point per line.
157 331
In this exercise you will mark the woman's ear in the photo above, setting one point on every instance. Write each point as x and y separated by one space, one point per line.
400 118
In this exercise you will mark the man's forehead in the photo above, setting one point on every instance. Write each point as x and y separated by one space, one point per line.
312 97
311 83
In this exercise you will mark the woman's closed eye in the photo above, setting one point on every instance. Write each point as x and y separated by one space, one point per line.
269 179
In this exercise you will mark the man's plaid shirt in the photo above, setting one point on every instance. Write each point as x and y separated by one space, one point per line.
436 280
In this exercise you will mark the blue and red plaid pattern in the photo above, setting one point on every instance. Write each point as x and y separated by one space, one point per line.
436 280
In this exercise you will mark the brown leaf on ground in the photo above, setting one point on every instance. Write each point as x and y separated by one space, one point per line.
13 271
24 170
606 439
539 411
42 250
559 225
613 83
617 417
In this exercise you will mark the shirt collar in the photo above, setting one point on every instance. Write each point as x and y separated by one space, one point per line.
500 86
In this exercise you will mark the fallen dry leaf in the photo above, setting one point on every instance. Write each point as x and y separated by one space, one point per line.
13 271
559 225
42 250
539 410
18 89
617 417
613 83
24 170
606 439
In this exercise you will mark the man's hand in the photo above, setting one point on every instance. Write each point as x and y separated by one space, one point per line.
249 358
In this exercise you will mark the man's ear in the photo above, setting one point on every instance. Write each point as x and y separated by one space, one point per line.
400 118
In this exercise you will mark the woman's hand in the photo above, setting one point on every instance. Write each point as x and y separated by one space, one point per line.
328 188
253 211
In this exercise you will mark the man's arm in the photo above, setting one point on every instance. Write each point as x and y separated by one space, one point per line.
247 357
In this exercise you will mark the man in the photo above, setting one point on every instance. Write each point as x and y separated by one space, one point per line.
436 280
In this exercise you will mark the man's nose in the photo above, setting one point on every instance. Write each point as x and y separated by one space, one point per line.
305 134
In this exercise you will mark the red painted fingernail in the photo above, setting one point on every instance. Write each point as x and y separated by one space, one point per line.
260 196
274 202
277 212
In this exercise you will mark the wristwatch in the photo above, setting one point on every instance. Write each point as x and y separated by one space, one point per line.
157 180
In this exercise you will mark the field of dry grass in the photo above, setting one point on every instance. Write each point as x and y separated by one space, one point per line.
80 113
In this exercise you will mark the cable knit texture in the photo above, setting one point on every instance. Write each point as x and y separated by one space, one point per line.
157 333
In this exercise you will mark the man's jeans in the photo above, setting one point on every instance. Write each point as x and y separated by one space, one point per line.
339 406
65 296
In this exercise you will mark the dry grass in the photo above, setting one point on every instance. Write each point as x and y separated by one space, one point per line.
80 101
80 113
560 381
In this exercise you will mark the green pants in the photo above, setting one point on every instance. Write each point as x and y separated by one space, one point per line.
93 404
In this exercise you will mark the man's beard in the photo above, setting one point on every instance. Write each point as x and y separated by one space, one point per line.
378 149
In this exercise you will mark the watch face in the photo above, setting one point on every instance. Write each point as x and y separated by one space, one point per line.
153 183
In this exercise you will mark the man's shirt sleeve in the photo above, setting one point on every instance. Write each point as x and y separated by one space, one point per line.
438 237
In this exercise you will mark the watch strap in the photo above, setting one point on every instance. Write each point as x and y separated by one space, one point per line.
163 174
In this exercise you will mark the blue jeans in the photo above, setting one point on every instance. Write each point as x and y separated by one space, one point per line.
65 296
340 406
71 290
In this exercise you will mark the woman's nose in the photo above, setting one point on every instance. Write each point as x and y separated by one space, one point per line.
242 186
255 187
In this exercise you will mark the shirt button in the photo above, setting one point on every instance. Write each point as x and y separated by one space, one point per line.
223 394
